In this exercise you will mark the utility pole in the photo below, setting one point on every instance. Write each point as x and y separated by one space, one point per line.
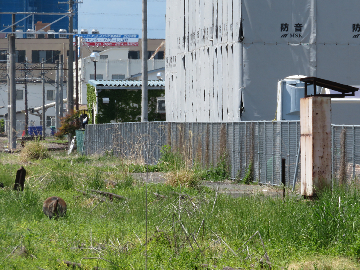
70 88
12 83
61 87
144 87
26 100
77 73
57 96
43 100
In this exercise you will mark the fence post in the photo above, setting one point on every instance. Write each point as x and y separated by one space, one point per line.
315 126
283 162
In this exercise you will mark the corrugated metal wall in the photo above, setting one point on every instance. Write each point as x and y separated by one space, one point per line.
260 144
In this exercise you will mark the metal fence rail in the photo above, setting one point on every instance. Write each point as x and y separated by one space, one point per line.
261 145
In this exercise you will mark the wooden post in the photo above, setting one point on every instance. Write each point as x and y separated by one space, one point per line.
20 179
315 124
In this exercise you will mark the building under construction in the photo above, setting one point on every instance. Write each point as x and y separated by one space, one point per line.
224 58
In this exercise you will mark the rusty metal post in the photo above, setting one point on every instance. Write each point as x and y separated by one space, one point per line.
315 125
283 165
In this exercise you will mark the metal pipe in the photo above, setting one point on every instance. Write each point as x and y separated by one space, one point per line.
144 87
77 73
43 99
12 83
70 90
57 96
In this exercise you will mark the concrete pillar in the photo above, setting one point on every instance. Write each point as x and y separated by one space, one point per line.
315 125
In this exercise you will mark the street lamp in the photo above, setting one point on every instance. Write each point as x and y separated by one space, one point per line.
95 56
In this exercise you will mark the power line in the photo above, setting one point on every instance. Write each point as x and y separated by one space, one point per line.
118 14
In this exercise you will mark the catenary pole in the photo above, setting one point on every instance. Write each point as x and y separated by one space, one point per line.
43 98
77 73
12 83
144 87
26 100
70 84
57 96
61 112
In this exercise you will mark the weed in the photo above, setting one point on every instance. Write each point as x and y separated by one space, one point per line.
169 160
33 150
249 176
95 181
184 178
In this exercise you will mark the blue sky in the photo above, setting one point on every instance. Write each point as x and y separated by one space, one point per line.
122 17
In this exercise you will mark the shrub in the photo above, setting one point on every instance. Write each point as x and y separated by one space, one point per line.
2 125
33 150
69 124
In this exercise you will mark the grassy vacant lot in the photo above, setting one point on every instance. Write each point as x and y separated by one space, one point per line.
187 227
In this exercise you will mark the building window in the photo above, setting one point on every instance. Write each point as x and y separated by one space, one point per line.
150 53
3 55
134 55
160 55
98 76
19 94
104 56
49 56
74 54
117 76
50 94
19 57
50 121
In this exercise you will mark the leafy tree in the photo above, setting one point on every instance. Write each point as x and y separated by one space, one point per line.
69 124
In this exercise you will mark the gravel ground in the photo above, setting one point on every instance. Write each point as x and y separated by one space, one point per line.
50 146
228 187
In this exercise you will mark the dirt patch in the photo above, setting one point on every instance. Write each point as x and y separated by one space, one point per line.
50 145
227 187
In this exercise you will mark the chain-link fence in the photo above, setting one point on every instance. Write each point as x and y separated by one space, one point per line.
345 152
255 146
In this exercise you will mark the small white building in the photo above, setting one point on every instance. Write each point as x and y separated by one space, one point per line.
114 64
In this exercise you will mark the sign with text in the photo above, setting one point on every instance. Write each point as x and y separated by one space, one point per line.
107 40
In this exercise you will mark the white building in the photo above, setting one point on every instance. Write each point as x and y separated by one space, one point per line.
35 96
224 58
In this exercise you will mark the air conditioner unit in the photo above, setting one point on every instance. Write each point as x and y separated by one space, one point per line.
62 33
41 34
95 32
84 31
160 105
51 34
30 33
19 33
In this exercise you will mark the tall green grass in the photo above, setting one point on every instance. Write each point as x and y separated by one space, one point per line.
112 234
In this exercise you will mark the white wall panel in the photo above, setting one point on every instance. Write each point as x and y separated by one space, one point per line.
338 21
264 65
281 38
280 21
